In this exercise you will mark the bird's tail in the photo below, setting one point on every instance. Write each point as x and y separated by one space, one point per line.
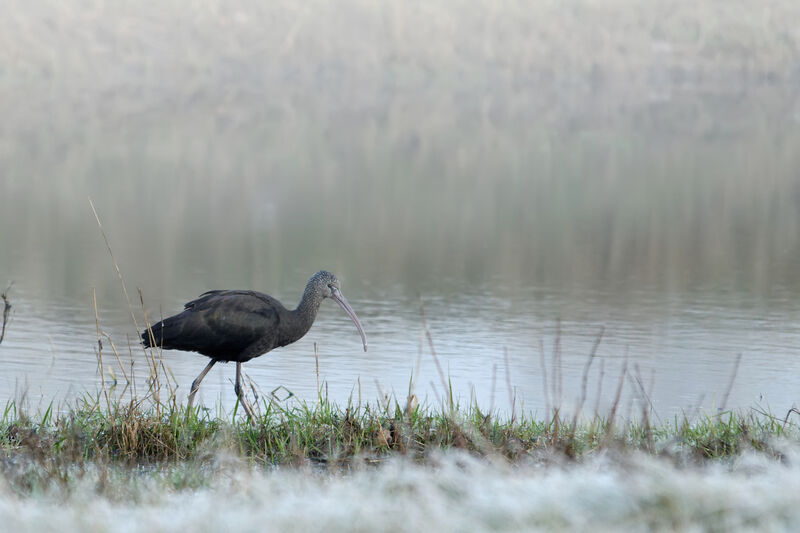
161 333
151 336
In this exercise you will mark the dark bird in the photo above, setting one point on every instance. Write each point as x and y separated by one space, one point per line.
237 326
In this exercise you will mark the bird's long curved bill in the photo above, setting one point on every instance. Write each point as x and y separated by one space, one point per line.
341 300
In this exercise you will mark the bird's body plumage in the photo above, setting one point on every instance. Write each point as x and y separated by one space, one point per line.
230 325
238 325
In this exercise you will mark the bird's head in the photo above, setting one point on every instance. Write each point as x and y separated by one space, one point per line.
327 285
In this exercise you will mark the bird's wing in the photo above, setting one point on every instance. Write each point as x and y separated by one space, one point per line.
223 322
207 296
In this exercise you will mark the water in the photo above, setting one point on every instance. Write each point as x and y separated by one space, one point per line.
526 207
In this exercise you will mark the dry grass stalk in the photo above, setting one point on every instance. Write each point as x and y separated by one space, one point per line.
730 382
511 396
544 378
585 377
100 352
159 374
494 387
599 388
116 266
647 405
645 395
617 396
557 382
446 388
316 361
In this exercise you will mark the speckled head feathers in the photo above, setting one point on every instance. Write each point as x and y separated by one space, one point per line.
322 283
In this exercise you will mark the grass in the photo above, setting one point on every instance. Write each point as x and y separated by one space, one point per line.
331 436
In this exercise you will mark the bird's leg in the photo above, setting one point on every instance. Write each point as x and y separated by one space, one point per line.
240 394
196 384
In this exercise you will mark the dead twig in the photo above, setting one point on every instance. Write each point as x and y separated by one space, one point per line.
794 410
6 310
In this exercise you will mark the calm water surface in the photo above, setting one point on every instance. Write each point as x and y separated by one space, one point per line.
683 349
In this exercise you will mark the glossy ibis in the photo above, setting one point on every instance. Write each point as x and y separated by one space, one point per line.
237 326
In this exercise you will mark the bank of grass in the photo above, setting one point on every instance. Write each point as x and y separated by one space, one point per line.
331 436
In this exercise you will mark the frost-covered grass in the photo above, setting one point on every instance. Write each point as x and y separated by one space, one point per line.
148 466
451 492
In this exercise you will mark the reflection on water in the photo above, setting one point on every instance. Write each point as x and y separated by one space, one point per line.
665 210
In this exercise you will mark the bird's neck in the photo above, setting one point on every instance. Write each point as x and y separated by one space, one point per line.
306 310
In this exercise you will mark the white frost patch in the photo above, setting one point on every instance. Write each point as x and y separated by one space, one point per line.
455 493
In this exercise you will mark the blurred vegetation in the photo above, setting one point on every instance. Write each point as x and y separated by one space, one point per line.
586 142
